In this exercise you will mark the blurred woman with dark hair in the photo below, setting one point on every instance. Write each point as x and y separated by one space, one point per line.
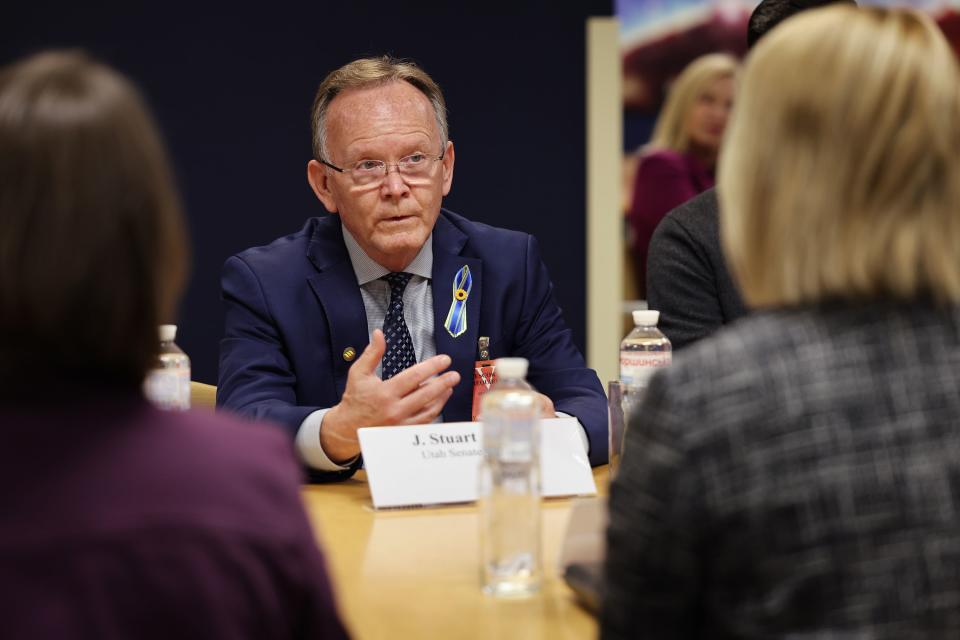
120 520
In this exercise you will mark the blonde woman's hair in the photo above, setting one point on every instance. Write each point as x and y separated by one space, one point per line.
839 178
671 132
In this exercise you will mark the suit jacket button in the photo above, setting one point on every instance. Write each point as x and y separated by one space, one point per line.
349 354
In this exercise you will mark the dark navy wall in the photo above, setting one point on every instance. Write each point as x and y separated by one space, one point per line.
232 90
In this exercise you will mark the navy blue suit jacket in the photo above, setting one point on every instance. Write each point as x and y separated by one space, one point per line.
294 306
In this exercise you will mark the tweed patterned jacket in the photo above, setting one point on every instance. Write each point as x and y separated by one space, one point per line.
796 476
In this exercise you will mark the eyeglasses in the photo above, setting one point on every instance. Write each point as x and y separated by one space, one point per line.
414 169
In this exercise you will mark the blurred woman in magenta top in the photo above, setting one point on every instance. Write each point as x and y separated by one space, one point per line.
119 520
680 160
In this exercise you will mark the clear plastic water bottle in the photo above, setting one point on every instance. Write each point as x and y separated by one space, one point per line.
642 352
168 384
510 484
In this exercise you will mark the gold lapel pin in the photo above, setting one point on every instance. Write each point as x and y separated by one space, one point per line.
349 354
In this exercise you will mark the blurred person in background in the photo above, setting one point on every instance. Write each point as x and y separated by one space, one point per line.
120 520
687 277
680 159
796 474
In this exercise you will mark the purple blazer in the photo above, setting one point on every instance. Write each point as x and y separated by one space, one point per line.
121 521
665 180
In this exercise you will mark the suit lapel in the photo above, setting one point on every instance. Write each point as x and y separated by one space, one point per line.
448 241
335 285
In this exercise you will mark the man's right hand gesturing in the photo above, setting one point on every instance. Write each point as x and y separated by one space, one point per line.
413 396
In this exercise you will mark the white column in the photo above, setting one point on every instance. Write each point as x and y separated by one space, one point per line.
604 219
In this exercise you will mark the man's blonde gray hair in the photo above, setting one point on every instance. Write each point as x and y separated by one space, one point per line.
373 72
839 178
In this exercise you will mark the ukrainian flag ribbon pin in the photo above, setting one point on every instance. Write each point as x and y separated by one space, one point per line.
456 322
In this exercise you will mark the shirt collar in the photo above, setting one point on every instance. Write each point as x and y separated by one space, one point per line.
368 270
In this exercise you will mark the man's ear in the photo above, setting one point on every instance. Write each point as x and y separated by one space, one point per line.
319 180
447 168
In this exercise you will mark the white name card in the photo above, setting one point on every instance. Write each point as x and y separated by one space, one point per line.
438 463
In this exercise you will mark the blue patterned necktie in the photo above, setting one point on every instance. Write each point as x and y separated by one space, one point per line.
399 354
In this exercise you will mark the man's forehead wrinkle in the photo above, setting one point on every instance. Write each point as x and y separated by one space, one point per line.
358 117
411 140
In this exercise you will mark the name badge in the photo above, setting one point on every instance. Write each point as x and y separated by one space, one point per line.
484 375
438 463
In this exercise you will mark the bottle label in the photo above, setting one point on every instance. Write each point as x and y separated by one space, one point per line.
636 367
169 388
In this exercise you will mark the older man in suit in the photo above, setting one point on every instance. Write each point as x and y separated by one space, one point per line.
395 276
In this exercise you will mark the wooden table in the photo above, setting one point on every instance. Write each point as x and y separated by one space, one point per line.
416 573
